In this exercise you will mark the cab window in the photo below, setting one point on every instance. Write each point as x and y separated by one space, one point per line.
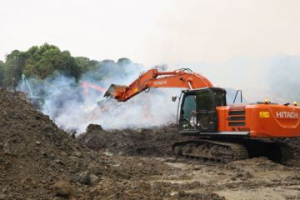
189 106
204 101
220 97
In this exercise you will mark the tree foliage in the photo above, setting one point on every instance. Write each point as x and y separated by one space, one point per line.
85 64
43 62
46 61
13 67
111 70
1 72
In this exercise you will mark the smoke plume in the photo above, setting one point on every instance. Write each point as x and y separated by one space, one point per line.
70 108
275 78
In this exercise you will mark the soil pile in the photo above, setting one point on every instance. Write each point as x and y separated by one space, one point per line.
156 142
40 161
35 154
294 144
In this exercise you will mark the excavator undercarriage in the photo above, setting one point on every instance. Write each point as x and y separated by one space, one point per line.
210 151
218 151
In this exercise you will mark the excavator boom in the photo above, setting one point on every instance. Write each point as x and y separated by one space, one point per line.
153 78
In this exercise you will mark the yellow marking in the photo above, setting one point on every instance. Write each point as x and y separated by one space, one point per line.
136 90
264 114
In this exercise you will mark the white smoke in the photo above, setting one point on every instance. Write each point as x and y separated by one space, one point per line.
70 109
274 78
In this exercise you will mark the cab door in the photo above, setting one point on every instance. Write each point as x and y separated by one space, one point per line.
206 111
187 113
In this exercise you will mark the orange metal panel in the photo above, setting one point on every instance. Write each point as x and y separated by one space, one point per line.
263 120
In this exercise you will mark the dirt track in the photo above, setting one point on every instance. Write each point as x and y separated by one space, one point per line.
40 161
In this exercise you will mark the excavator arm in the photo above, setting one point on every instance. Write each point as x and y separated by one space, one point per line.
183 78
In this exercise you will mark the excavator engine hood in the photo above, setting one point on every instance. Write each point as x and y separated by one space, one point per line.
276 121
265 120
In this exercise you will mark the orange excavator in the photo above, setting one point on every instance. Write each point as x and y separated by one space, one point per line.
224 132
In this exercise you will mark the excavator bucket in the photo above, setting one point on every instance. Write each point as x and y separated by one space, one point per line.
115 90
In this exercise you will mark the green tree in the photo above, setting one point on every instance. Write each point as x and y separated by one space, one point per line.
1 72
109 69
85 64
47 59
124 61
13 67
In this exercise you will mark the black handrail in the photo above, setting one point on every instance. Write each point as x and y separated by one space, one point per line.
236 94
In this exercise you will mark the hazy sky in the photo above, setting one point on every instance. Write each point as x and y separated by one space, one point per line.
154 31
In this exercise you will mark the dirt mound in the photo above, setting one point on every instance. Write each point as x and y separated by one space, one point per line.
34 153
40 161
155 142
144 190
294 143
147 142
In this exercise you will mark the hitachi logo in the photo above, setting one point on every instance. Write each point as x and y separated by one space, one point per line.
287 115
160 82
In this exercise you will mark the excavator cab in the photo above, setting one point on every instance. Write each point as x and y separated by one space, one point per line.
198 110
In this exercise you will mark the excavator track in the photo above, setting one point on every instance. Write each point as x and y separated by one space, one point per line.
222 152
212 152
286 153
